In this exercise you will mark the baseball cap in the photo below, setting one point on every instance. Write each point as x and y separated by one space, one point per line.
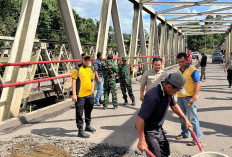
85 55
124 58
178 81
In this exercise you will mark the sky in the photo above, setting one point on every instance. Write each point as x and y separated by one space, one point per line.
92 9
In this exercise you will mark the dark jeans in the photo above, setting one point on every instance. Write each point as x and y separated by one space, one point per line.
84 103
229 76
157 143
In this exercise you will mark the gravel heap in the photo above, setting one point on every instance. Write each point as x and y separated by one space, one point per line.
35 146
28 146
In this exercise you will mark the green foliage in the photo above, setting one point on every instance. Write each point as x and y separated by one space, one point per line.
9 14
206 51
126 36
199 42
50 25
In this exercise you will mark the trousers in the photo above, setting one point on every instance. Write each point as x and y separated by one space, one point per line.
84 104
157 143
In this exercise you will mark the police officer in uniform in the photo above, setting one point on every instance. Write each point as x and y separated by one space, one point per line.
83 87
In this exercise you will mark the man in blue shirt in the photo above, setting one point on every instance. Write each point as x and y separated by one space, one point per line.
98 78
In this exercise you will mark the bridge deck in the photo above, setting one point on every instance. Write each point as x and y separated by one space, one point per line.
117 126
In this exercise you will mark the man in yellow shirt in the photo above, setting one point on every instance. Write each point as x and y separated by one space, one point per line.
188 100
83 87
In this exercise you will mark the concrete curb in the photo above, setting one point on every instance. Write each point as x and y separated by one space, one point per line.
25 118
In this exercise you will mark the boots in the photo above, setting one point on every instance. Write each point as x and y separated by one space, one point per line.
89 129
125 102
133 102
83 134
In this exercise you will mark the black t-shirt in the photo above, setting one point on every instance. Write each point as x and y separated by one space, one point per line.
154 108
203 61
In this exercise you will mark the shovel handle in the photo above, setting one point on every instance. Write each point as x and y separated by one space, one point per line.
149 152
196 139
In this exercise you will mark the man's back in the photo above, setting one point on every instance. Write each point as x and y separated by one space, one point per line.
97 67
203 61
109 70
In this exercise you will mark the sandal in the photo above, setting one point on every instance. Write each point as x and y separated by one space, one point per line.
179 137
192 143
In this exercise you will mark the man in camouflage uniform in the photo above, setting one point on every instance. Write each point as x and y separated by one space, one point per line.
109 73
125 71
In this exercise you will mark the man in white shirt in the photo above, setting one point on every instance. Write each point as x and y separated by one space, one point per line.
151 77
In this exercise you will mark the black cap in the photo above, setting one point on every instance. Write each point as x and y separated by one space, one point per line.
177 80
85 55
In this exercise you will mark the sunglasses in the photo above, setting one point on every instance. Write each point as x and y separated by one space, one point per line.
86 59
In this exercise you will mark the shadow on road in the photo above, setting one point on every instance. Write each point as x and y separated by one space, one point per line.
218 128
60 132
213 98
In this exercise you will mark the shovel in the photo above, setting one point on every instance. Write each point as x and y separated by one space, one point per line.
204 154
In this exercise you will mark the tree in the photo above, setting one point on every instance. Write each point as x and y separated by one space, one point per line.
209 17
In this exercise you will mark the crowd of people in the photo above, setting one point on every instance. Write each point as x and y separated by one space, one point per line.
155 102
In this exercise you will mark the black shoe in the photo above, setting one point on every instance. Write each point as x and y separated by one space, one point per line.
229 86
133 102
83 134
89 128
101 102
125 102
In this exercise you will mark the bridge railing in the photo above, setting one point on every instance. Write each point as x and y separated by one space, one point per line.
65 61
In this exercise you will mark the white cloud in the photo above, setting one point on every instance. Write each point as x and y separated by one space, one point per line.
92 9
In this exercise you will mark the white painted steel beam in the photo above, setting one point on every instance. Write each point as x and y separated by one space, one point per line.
186 6
117 29
20 52
156 38
103 31
31 75
135 32
170 45
163 40
200 33
220 21
175 42
70 28
151 37
203 29
189 3
206 26
194 14
187 16
142 41
152 11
